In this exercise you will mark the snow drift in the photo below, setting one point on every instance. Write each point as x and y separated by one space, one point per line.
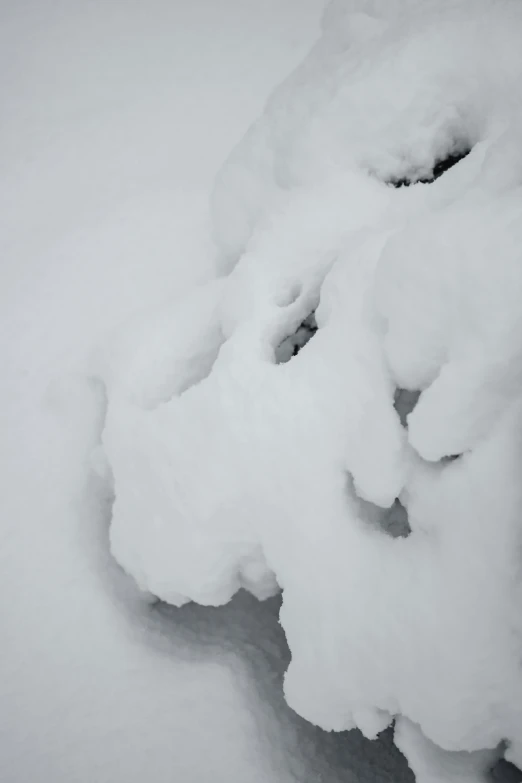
238 462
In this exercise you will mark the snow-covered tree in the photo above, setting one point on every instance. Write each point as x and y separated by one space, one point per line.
369 234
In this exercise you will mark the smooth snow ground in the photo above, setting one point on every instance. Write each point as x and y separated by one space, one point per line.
115 117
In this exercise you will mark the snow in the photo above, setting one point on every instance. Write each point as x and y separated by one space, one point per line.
467 353
235 464
107 161
431 765
232 468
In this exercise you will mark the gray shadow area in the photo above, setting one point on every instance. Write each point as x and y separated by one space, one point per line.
250 632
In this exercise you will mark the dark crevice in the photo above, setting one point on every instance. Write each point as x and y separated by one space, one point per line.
440 168
404 402
291 345
392 521
504 772
450 458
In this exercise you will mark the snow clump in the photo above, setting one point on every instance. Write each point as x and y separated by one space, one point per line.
251 429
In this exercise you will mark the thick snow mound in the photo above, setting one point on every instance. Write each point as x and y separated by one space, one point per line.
390 88
234 467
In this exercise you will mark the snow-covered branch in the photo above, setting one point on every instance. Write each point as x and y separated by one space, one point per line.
238 464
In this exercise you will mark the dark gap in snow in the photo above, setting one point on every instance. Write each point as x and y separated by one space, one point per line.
450 458
291 345
392 521
404 402
440 168
504 772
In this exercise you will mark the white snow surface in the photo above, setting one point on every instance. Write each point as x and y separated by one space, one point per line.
231 470
115 117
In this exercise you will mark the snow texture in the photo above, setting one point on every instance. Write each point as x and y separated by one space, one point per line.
106 163
234 467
